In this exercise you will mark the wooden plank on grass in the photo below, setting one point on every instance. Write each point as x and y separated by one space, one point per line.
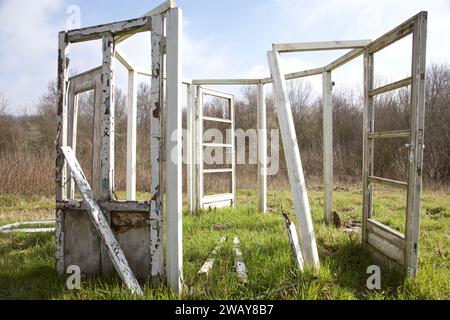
207 266
101 225
293 240
239 262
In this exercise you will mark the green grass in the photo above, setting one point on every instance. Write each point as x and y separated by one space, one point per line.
27 261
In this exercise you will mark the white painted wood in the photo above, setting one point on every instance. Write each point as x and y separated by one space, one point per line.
61 140
107 119
85 81
388 182
293 161
233 150
120 56
101 224
15 225
199 148
386 248
72 124
327 127
319 46
30 230
224 170
174 163
114 29
225 82
239 262
390 134
116 206
156 191
207 266
217 198
293 241
262 148
416 142
344 59
131 135
190 147
217 120
217 145
97 141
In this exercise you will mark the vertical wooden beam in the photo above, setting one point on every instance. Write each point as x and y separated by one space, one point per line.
262 148
96 152
327 146
156 101
131 135
174 163
101 224
416 144
368 144
233 151
293 161
72 124
61 139
107 119
199 148
190 147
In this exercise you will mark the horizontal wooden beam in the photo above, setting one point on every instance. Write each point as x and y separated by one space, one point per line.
218 198
217 145
225 82
320 46
395 34
217 120
387 248
111 206
125 27
223 170
388 182
120 56
387 233
391 86
389 134
344 59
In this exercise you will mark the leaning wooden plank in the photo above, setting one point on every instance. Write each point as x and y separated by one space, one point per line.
388 182
101 225
121 57
391 86
293 240
61 140
390 134
173 148
239 262
294 163
319 46
115 29
207 266
296 75
156 191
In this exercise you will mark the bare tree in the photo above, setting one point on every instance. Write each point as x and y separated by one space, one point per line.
3 104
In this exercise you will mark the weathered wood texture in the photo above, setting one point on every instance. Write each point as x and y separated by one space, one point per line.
120 28
61 141
190 147
293 161
382 238
320 46
156 191
101 224
131 135
293 241
174 162
239 264
207 266
262 148
327 127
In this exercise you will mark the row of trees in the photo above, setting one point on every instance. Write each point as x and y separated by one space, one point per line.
27 141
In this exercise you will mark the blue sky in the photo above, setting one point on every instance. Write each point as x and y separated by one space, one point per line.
221 38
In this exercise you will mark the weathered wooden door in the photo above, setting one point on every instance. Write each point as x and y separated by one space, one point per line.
383 241
215 109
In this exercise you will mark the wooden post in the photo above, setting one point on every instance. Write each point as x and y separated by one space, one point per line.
190 147
293 161
61 139
327 146
293 241
368 144
107 119
72 125
101 224
198 145
156 101
416 144
131 135
174 163
262 148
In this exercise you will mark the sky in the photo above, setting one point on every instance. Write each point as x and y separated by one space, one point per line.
221 39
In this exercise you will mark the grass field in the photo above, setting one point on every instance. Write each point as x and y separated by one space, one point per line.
27 261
